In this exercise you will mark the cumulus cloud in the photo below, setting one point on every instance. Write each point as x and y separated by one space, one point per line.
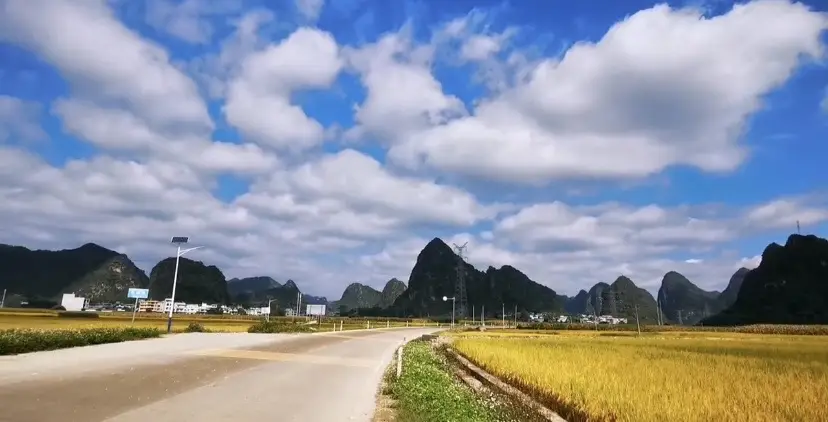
663 87
403 96
19 120
188 20
105 61
310 9
668 87
259 98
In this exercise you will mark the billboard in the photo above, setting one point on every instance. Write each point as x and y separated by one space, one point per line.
138 293
315 310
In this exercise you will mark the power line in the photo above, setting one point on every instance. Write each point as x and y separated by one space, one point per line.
460 284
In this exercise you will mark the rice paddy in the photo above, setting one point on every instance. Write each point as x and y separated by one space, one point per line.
669 376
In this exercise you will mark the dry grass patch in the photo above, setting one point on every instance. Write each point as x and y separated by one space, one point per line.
698 376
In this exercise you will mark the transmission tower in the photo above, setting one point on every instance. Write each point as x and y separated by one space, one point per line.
460 284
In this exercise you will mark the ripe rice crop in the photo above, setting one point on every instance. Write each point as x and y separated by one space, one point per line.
749 329
700 376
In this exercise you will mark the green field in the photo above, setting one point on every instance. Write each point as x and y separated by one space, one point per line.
661 376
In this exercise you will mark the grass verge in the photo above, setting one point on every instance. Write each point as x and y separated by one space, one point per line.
676 376
279 327
16 341
428 392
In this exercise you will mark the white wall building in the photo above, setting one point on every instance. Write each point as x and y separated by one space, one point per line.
256 311
191 309
70 302
177 307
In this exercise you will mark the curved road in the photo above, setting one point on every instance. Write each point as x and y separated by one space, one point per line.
204 377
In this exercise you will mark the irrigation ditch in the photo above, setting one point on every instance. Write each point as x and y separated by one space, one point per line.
520 406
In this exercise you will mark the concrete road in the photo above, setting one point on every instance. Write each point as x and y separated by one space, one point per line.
204 377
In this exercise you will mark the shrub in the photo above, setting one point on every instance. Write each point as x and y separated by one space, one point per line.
278 327
196 327
78 314
22 340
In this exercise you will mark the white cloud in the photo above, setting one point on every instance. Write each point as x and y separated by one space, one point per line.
310 9
19 120
259 98
787 213
214 70
188 20
118 130
403 95
328 217
105 61
668 87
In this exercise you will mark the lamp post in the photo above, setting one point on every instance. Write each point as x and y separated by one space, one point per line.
268 308
178 241
445 298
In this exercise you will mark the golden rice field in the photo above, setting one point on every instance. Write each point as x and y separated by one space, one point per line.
688 377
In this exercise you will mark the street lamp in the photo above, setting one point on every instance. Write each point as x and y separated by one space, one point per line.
445 298
268 307
178 241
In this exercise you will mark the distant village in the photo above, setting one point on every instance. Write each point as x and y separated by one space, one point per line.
70 302
583 319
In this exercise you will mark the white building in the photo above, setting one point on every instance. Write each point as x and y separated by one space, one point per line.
177 307
158 307
562 318
256 311
191 308
70 302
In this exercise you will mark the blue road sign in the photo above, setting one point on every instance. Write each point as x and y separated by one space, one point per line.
138 293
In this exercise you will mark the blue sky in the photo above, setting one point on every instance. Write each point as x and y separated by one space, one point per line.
327 142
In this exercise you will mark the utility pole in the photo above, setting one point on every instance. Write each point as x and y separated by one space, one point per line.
636 320
515 316
3 301
460 283
483 316
681 321
595 319
503 314
473 316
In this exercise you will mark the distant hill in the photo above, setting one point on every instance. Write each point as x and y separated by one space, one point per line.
358 296
392 290
728 296
91 270
111 281
196 282
435 273
623 296
250 285
790 286
258 291
683 302
576 304
585 302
